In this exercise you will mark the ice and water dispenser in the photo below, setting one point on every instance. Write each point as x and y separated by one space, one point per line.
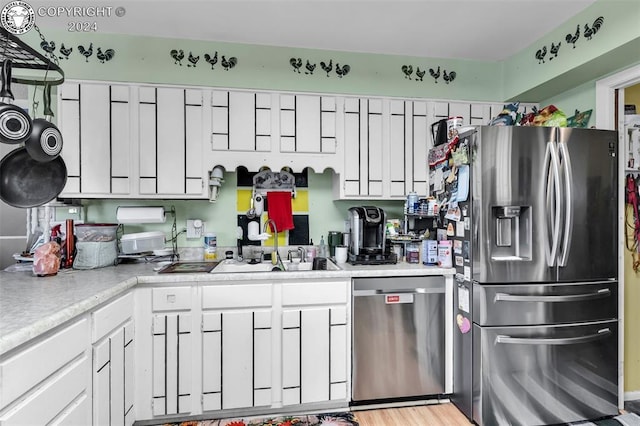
511 233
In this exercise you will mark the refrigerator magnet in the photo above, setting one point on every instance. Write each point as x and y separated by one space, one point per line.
450 230
457 246
460 229
459 261
463 183
463 298
463 323
467 223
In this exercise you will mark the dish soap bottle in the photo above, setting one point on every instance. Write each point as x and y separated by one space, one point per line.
322 248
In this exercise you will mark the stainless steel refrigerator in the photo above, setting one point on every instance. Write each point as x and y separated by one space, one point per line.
532 212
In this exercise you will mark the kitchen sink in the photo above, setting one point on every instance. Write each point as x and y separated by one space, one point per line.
229 266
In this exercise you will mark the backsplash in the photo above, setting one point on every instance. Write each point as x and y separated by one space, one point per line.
315 211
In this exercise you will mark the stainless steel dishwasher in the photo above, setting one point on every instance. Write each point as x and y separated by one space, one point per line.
398 338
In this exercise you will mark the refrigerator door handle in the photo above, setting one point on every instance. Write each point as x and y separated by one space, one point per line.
551 174
505 297
568 195
551 341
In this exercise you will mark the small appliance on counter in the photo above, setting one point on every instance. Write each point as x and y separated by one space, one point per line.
367 245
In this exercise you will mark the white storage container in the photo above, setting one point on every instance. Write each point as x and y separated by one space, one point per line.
142 242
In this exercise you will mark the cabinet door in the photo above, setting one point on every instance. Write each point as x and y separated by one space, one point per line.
408 140
307 124
172 341
240 121
95 124
170 141
113 378
314 354
363 155
236 359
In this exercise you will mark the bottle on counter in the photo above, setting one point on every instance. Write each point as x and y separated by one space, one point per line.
322 248
311 252
210 246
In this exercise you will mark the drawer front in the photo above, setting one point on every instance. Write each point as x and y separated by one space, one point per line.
171 299
544 303
319 293
237 296
58 396
26 369
107 318
572 370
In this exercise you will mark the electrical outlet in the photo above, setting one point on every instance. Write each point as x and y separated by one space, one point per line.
195 228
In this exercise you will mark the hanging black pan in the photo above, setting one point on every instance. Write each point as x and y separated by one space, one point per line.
26 183
15 123
45 142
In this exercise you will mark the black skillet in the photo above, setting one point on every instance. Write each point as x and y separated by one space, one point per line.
26 183
45 142
15 123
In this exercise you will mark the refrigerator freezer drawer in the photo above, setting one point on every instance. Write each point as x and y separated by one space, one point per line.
536 304
546 374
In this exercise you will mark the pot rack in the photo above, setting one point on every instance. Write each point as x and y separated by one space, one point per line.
24 56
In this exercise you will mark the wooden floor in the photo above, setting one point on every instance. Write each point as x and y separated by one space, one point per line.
431 415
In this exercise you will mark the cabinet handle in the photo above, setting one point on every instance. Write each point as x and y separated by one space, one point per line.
549 341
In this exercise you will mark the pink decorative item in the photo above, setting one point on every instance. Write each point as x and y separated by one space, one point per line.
46 259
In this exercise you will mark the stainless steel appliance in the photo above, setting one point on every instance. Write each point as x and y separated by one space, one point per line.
368 240
398 338
536 296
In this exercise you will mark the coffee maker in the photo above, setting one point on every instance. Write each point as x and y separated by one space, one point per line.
368 242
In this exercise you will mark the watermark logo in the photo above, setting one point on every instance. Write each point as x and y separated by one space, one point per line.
17 17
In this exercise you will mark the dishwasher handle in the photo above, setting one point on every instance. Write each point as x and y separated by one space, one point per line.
434 290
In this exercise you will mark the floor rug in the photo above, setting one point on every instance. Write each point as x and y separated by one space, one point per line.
324 419
628 419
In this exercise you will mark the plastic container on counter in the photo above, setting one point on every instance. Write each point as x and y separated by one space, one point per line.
210 246
141 242
96 232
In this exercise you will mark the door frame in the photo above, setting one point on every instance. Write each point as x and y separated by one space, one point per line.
606 108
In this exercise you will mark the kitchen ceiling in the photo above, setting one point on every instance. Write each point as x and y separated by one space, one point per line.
463 29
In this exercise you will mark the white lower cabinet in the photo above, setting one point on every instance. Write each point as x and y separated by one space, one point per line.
113 363
49 381
236 346
315 342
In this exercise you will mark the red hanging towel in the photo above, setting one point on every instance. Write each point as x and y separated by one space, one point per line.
279 209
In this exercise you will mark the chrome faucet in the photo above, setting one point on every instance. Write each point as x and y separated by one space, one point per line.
303 254
277 261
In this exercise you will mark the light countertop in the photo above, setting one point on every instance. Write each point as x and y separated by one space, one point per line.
31 306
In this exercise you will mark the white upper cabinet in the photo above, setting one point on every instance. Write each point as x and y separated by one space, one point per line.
170 141
308 123
363 149
96 128
240 121
126 141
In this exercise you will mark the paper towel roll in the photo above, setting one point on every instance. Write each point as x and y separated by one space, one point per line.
253 230
140 215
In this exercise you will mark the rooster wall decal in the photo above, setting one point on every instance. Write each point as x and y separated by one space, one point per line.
540 54
86 52
193 60
448 77
177 55
342 71
107 55
435 74
309 67
65 52
554 50
211 59
407 70
572 38
327 67
48 47
228 64
590 32
296 64
420 74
